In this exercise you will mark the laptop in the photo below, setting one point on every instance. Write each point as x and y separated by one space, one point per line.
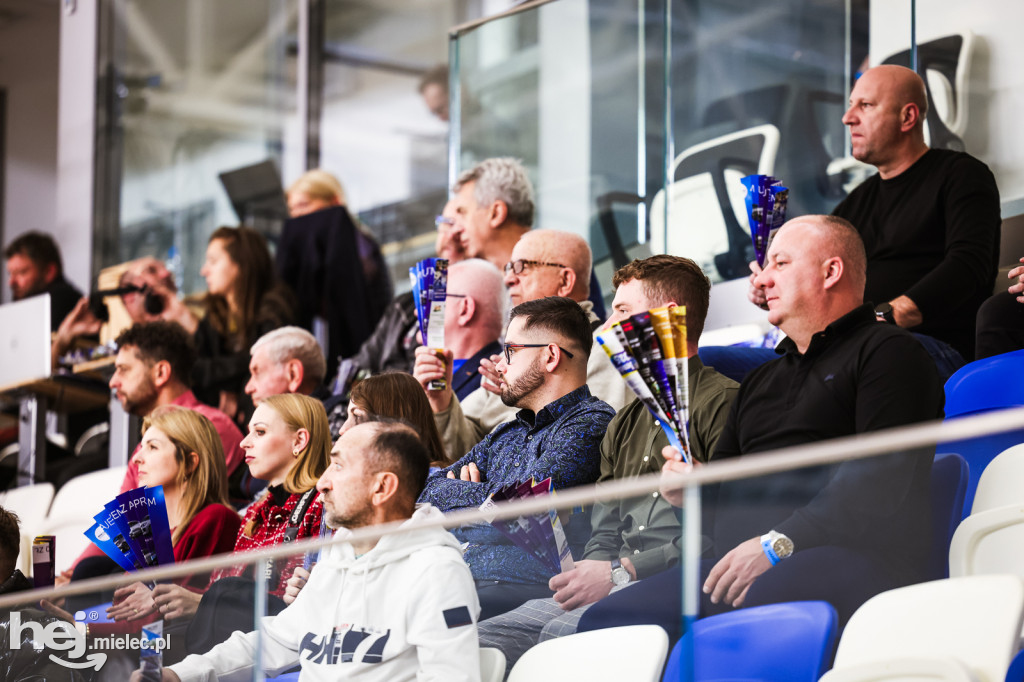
25 341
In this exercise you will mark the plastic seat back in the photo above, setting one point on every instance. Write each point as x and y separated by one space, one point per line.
990 539
984 386
85 495
30 503
750 644
1002 482
492 665
974 620
948 487
635 653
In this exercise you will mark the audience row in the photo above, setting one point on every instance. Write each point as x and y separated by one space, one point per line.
526 397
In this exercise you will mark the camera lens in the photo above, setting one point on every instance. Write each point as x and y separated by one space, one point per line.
153 304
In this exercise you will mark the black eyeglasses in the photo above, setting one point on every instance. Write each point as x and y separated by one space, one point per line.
509 348
447 295
517 266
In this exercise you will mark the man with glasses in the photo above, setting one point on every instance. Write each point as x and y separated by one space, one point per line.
493 210
543 263
556 433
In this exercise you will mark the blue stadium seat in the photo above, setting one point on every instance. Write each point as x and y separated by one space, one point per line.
984 386
758 643
1016 670
949 485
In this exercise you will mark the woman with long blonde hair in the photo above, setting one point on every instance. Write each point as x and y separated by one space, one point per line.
289 446
182 452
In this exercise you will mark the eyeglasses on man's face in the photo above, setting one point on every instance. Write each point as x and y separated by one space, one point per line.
511 348
442 222
517 266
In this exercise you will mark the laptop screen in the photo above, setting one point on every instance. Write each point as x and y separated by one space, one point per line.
24 341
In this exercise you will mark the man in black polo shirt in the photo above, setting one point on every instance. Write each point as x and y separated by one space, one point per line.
929 219
841 373
840 533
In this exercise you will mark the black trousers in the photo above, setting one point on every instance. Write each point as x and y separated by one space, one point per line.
1000 326
839 576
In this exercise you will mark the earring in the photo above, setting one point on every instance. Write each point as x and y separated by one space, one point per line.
295 453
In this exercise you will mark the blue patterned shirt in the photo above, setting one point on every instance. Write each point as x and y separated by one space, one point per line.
562 442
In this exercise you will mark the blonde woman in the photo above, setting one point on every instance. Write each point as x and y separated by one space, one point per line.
315 190
182 452
289 446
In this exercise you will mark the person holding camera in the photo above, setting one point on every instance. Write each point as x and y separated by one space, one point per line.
142 289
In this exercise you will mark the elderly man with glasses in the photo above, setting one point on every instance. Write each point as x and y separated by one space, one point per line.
542 263
556 433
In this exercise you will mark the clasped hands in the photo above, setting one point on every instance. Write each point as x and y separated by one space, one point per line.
588 582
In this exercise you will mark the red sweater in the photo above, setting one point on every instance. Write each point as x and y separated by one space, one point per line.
230 437
264 526
211 531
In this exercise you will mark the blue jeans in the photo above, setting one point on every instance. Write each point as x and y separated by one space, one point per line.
947 359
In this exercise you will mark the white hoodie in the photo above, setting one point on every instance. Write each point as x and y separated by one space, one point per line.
405 610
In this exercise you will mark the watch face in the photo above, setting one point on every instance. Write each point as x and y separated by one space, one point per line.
783 546
620 576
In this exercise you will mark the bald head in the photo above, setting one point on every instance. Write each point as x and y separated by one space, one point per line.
886 119
829 236
813 275
904 85
480 281
562 248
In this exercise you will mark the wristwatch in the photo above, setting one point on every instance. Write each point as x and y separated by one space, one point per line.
884 313
776 546
620 576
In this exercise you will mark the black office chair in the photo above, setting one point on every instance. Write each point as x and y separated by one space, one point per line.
706 200
944 64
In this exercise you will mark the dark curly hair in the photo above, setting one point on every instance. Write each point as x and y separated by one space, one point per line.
156 341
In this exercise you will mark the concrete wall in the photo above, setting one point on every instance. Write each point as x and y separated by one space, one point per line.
29 38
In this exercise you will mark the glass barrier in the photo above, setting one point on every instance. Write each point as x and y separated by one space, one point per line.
861 516
753 91
577 88
739 91
969 59
573 89
189 103
384 138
